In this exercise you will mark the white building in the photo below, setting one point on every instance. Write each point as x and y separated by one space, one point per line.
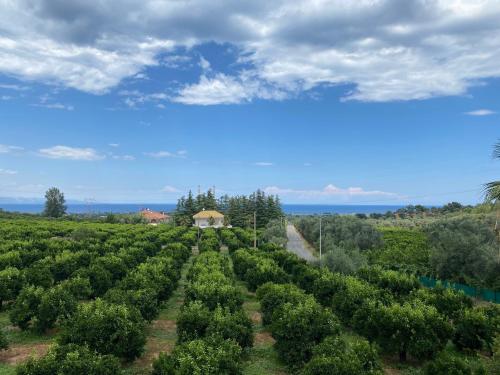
209 218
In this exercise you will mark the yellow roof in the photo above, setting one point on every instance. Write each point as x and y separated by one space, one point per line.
208 214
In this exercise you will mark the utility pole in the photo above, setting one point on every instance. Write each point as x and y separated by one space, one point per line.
320 239
255 229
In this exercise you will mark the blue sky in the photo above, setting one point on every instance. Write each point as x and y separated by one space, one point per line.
402 110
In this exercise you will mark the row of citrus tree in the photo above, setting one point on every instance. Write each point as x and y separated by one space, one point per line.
213 330
112 325
388 308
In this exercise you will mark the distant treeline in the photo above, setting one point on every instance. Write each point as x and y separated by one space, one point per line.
423 211
238 210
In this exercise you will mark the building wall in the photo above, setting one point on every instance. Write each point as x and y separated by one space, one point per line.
203 223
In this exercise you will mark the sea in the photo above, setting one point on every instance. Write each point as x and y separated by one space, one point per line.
123 208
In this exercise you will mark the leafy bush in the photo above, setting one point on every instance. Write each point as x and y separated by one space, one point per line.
208 357
398 283
26 306
463 250
272 296
473 331
11 282
70 360
297 328
338 356
214 289
404 249
144 300
106 328
448 302
413 328
449 364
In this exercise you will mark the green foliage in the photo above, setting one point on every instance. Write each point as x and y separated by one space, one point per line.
473 331
347 232
238 211
403 249
272 296
211 356
71 360
345 261
398 283
297 328
409 328
449 364
4 344
448 302
11 282
26 306
336 355
106 328
257 269
275 233
463 250
54 203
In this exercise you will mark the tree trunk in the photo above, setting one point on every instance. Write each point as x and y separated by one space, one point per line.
402 355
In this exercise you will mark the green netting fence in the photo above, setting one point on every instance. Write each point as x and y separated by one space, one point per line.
484 294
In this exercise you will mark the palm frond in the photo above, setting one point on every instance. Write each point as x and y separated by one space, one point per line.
492 191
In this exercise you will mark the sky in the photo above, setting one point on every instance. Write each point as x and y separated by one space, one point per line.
318 101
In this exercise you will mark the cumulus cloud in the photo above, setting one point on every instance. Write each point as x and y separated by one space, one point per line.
481 112
383 50
329 191
70 153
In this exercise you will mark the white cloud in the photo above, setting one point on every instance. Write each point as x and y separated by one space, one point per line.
6 149
70 153
481 112
264 164
113 144
224 89
7 171
329 191
167 154
383 49
55 106
170 189
123 157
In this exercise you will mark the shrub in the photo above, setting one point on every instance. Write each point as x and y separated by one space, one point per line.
213 290
448 302
26 306
208 244
57 303
272 296
338 356
11 282
234 326
193 321
398 283
473 331
70 360
208 357
144 300
413 328
449 364
106 328
297 328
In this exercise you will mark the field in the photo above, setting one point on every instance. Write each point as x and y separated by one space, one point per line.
94 298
